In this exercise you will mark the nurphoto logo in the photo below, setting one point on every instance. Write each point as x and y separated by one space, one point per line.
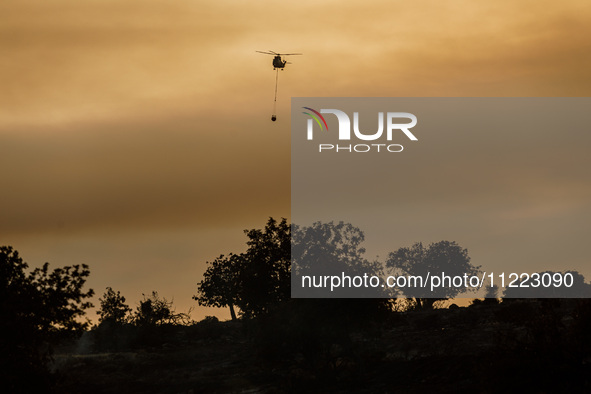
392 126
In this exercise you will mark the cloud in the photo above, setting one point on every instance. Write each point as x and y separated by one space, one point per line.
196 171
120 118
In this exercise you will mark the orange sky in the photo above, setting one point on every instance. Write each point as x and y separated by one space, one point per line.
136 136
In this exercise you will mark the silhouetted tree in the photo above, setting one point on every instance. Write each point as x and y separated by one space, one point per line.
154 310
113 308
253 281
265 275
439 257
34 307
219 287
332 249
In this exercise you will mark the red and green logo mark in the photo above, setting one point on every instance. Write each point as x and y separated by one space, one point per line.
317 117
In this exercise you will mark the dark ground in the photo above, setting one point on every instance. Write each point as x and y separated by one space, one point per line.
519 346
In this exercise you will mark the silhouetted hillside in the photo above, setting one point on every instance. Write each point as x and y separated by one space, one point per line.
521 345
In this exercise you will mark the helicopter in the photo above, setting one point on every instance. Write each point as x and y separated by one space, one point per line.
278 62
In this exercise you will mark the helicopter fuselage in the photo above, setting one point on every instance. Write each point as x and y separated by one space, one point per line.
278 62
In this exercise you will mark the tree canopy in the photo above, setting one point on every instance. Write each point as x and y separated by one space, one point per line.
265 277
113 308
253 281
331 249
219 287
34 306
260 278
438 257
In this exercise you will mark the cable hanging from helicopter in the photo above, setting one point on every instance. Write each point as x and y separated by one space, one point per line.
278 64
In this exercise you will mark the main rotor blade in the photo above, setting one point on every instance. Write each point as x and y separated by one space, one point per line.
289 54
266 53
